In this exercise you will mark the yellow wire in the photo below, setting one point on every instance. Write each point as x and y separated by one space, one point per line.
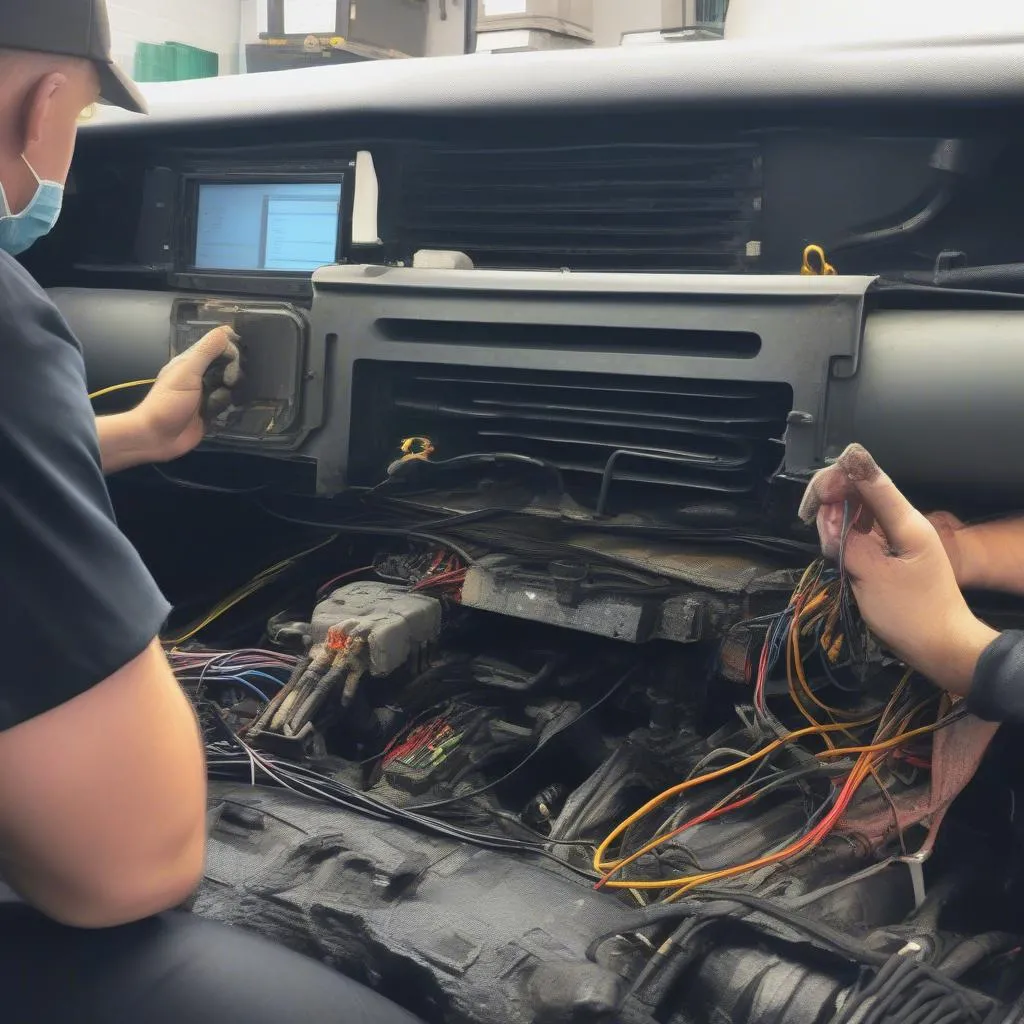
122 387
864 767
692 881
874 748
818 606
258 581
861 771
603 867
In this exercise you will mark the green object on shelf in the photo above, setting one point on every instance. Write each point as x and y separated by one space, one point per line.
173 62
191 62
153 63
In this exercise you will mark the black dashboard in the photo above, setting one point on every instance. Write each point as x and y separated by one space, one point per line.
590 260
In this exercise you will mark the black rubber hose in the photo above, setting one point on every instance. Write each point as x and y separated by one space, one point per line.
921 218
999 275
689 942
972 951
826 937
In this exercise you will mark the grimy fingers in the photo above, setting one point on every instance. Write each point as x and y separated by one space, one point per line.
881 497
829 486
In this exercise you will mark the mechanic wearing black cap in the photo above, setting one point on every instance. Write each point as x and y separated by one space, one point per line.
102 780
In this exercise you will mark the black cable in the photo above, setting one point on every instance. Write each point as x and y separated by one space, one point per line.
373 531
729 536
664 968
969 953
782 779
704 905
433 805
330 791
310 783
906 991
473 459
195 485
924 215
895 286
710 535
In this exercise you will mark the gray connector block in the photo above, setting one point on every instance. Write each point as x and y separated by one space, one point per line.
394 623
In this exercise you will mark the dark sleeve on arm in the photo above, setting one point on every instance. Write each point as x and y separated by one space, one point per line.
997 693
76 601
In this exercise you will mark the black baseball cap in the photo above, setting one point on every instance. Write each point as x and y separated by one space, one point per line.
70 28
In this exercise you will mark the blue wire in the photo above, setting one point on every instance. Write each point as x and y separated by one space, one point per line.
823 809
776 638
263 675
245 684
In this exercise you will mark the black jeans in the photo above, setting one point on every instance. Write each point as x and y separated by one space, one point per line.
173 969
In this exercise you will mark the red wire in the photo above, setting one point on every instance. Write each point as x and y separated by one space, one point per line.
762 676
822 829
344 576
454 577
715 812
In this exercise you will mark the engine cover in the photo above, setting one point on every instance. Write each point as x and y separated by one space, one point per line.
455 934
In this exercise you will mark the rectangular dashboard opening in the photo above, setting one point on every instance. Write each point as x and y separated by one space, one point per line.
591 338
647 442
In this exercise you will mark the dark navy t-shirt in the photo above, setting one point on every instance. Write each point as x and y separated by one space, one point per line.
76 601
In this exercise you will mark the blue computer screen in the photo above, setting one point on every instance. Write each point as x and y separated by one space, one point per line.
277 227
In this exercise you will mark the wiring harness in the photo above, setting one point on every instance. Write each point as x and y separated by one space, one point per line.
229 757
258 673
818 623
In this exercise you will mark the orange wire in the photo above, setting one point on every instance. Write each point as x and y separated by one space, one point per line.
602 867
809 608
808 841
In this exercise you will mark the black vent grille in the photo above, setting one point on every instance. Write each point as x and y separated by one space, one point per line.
674 438
627 207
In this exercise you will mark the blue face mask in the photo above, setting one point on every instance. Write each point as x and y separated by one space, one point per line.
20 231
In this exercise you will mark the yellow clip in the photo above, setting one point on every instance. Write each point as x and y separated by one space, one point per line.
416 448
823 267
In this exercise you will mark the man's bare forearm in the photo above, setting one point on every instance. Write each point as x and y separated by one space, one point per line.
992 556
124 442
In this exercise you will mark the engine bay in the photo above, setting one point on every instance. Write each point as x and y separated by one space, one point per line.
502 778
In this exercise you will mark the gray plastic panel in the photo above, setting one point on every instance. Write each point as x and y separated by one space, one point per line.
938 398
126 335
936 395
805 325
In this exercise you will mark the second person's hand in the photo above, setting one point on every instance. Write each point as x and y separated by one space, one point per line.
950 530
901 575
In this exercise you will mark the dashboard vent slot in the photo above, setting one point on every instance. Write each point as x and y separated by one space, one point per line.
690 207
618 441
592 337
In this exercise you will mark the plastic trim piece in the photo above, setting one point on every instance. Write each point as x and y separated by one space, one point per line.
937 398
125 335
810 330
806 325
